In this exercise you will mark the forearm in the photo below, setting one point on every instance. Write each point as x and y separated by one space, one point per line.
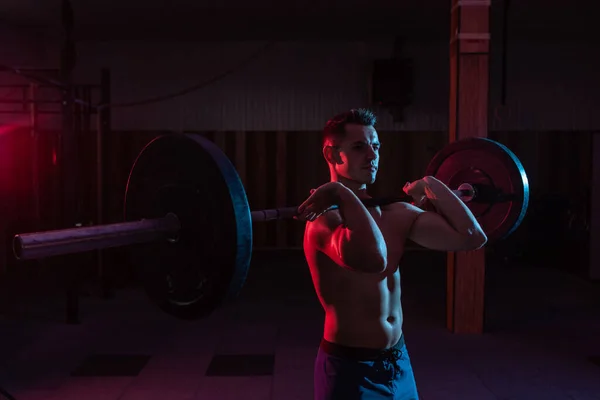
362 240
456 212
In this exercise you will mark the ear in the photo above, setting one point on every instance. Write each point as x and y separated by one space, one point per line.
332 155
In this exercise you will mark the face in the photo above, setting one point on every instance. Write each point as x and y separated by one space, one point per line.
358 154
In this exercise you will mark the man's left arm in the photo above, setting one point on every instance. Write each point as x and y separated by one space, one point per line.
452 227
451 207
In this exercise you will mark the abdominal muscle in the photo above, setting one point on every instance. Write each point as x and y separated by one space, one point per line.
361 310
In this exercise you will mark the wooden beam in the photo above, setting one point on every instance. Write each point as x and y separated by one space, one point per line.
469 74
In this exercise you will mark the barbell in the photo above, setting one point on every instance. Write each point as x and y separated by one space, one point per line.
189 224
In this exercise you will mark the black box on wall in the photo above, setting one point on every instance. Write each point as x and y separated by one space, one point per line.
391 85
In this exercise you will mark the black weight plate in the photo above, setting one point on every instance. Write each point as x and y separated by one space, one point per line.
207 263
491 164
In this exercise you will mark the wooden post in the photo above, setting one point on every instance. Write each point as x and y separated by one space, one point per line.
469 58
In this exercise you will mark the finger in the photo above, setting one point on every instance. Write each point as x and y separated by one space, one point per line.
304 213
307 203
317 215
306 208
310 200
301 217
427 206
332 207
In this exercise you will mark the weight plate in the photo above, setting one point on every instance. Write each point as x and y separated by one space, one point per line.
192 274
485 162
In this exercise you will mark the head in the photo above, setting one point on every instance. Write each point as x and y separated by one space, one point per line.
351 148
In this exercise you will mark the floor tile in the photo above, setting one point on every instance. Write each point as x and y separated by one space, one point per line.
112 365
91 389
172 371
32 394
241 365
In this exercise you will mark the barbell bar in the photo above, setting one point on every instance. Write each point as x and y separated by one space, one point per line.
189 225
38 245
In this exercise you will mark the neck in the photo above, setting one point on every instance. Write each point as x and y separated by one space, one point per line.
359 189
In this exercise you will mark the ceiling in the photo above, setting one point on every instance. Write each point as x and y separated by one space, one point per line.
234 19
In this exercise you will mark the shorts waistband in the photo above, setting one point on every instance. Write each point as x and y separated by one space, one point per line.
359 353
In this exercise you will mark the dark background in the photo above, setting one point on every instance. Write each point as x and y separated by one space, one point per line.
323 58
290 67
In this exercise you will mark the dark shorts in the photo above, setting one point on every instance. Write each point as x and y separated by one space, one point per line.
351 373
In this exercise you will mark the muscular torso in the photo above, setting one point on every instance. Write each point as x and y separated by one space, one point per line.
363 309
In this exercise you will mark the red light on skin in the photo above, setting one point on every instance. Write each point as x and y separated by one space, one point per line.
53 156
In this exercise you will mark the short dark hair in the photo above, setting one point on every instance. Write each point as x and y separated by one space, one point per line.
335 128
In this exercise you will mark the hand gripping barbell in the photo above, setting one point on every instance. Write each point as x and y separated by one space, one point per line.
188 220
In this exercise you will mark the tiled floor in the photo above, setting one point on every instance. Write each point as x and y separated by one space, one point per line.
544 327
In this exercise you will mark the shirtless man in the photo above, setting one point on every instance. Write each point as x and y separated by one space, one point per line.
353 253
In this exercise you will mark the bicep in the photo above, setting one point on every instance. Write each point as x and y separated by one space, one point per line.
327 237
332 238
431 230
